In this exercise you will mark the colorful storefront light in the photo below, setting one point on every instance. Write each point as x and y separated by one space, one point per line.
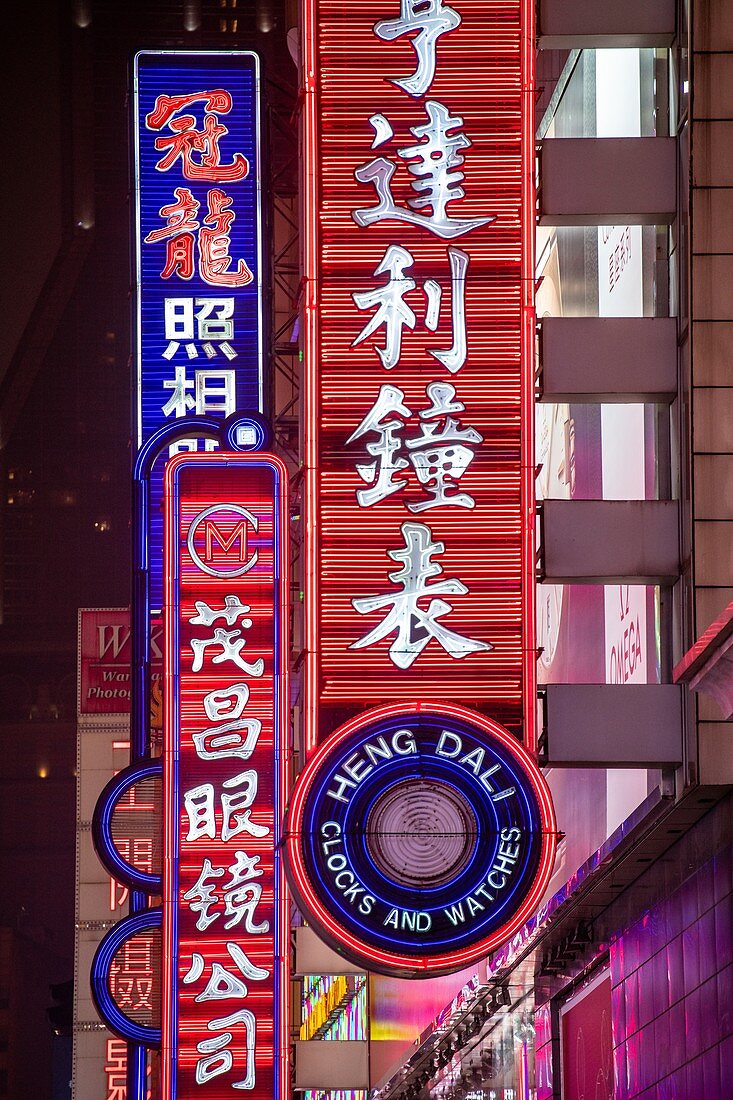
225 925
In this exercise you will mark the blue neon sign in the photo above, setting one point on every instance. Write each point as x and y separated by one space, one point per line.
198 246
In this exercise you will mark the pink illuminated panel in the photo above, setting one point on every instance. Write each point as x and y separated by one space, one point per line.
225 916
419 342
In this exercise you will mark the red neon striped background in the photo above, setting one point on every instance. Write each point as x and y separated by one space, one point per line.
483 74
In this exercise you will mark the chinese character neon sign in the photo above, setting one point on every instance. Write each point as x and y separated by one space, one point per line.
198 244
419 345
224 1023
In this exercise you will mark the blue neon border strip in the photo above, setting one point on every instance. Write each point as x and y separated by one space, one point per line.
105 1004
102 826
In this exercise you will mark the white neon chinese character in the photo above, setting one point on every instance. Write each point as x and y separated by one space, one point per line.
395 314
236 807
414 625
231 644
214 319
214 391
217 1056
236 736
223 984
242 896
384 450
201 896
435 163
392 310
441 453
233 608
446 452
430 19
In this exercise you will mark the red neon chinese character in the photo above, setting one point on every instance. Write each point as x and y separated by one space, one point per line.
185 139
138 852
179 257
179 231
180 217
115 1068
214 258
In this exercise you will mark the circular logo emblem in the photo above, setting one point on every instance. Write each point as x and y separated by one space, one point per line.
419 838
217 541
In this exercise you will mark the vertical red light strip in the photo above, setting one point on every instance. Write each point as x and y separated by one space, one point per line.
225 926
484 77
310 220
529 328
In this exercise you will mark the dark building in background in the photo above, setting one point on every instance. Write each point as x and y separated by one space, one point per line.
66 383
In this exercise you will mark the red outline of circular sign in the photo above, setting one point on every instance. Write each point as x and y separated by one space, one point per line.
422 966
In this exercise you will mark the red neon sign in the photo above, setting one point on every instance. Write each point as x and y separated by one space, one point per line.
224 1017
419 339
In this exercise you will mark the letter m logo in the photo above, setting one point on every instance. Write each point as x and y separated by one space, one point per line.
226 542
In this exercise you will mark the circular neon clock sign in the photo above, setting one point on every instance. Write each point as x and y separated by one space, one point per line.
419 838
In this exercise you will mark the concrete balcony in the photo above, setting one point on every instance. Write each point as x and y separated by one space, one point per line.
607 181
578 24
608 359
610 542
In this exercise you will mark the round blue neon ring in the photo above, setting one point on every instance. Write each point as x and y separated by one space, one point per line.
250 420
105 1004
104 843
527 814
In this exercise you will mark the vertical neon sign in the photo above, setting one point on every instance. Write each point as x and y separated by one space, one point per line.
419 199
224 1026
198 244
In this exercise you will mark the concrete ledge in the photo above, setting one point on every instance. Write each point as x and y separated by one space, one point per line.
607 181
610 541
313 956
614 725
608 359
574 24
331 1064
